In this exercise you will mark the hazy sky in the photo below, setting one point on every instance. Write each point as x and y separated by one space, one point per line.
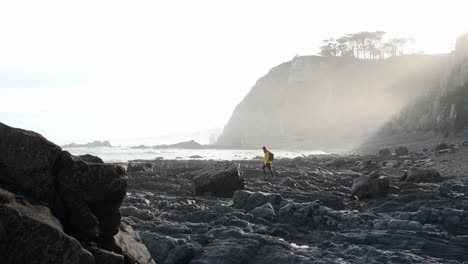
82 70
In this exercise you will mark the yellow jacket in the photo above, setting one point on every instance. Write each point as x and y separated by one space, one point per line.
266 157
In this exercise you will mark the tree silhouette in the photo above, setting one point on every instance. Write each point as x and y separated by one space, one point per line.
364 45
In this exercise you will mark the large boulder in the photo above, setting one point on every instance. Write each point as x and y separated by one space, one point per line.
423 175
401 151
385 152
220 182
370 186
84 196
31 234
27 164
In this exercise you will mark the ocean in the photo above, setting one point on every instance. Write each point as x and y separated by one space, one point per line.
123 154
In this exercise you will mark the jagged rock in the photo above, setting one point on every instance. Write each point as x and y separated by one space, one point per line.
265 211
90 158
401 151
221 182
385 152
27 164
239 198
84 196
132 246
31 234
143 214
159 246
250 200
370 186
423 175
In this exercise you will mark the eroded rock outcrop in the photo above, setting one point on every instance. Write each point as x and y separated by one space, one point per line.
84 196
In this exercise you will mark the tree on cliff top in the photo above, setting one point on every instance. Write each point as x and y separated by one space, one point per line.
364 45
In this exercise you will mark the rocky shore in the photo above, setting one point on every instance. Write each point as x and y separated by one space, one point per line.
397 206
402 207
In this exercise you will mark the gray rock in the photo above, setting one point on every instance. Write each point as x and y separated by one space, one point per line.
370 186
385 152
132 246
158 246
423 175
221 182
265 211
256 199
240 198
401 151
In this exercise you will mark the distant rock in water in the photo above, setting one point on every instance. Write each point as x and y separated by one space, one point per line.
94 144
79 199
191 144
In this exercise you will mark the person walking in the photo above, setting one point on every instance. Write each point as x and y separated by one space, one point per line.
267 160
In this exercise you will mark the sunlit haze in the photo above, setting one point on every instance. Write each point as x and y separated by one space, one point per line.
86 70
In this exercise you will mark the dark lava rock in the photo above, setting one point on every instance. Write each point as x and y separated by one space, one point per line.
90 158
441 146
423 175
401 151
250 200
84 196
336 162
31 234
385 152
370 186
221 182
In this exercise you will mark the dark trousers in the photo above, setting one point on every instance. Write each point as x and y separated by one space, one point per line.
268 165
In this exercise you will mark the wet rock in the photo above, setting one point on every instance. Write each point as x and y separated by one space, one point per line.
401 151
370 186
423 175
265 211
221 182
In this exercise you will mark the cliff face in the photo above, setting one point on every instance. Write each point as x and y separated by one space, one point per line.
317 102
439 114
